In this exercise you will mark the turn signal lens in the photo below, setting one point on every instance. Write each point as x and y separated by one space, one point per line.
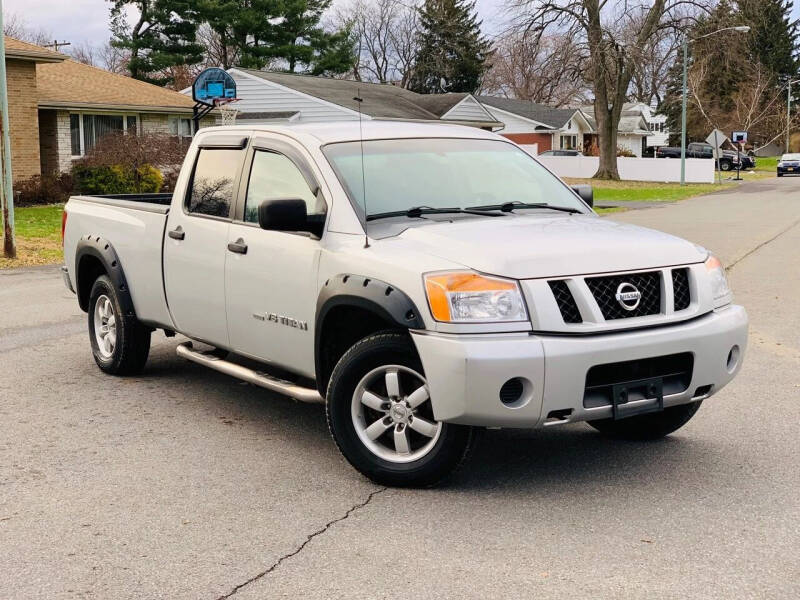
468 297
720 290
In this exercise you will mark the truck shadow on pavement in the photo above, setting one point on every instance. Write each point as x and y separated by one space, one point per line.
571 459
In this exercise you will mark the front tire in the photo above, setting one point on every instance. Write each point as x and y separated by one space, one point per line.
120 343
380 415
651 426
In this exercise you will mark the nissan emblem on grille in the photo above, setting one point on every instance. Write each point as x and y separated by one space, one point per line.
628 296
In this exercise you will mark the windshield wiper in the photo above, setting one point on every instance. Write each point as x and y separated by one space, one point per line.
416 212
511 206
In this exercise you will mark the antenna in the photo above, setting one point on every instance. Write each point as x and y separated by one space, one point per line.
359 99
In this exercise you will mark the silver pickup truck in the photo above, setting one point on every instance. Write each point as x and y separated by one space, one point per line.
420 280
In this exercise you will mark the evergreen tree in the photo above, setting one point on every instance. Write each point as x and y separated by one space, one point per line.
304 43
773 35
270 32
452 53
163 36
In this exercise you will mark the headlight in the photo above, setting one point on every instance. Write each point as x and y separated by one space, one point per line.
467 297
719 283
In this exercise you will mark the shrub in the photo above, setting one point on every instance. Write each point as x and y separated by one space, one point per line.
625 152
117 179
54 188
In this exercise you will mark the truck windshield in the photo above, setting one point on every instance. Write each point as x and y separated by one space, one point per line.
440 173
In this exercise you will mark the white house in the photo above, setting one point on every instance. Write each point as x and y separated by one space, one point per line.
290 98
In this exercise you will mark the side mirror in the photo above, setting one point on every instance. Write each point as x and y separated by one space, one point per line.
585 192
283 215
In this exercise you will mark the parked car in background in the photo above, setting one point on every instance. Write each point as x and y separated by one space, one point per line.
561 153
699 150
789 163
747 161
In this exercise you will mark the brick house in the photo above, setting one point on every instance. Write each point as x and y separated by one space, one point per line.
59 108
528 123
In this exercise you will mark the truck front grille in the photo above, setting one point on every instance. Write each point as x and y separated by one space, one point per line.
675 371
566 302
680 287
604 290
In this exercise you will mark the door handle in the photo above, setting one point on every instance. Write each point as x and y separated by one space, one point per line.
239 247
178 233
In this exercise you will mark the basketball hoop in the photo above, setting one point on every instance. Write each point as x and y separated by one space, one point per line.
227 112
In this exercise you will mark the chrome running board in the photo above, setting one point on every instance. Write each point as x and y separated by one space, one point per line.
287 388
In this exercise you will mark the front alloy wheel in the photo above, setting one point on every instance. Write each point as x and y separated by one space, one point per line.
393 425
380 415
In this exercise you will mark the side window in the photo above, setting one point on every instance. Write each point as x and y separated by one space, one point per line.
273 176
212 182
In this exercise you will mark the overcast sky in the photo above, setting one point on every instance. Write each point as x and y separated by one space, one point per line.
80 21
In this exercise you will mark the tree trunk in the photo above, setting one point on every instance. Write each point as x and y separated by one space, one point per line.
606 143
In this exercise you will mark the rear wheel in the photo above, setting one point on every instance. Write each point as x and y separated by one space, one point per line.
651 426
380 415
725 165
120 344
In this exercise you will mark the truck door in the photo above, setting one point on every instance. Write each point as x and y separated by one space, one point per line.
195 244
270 276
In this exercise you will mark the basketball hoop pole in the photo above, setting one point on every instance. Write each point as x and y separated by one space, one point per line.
7 199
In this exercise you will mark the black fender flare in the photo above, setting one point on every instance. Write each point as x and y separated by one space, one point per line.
102 250
385 300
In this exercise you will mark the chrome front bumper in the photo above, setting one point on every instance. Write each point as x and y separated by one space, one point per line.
465 373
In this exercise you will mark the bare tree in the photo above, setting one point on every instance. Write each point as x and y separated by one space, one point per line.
614 34
219 51
17 27
384 31
104 56
545 69
651 71
757 106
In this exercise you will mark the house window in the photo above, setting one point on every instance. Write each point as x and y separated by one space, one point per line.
569 142
75 134
181 126
87 129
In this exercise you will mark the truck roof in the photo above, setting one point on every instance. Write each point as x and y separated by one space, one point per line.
346 131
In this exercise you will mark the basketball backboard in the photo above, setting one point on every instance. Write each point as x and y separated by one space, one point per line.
213 85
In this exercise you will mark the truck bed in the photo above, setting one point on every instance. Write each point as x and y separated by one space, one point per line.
134 224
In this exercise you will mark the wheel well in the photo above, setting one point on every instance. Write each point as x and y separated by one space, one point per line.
342 328
89 269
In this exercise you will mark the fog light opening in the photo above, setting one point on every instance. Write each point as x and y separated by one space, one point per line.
516 392
733 359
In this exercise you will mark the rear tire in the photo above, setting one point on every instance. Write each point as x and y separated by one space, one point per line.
651 426
379 414
724 165
120 344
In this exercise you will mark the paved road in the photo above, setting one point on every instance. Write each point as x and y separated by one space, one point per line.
183 483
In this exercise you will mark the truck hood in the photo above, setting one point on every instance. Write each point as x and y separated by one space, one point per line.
532 246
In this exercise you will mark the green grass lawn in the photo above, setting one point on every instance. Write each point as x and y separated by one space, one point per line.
38 232
769 163
645 191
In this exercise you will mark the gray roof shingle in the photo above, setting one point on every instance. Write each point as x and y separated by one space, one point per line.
552 117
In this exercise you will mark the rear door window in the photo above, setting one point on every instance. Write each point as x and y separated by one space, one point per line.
212 187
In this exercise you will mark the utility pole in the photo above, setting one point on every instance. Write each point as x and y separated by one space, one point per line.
56 45
789 110
7 196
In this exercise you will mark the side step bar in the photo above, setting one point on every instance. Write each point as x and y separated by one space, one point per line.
275 384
